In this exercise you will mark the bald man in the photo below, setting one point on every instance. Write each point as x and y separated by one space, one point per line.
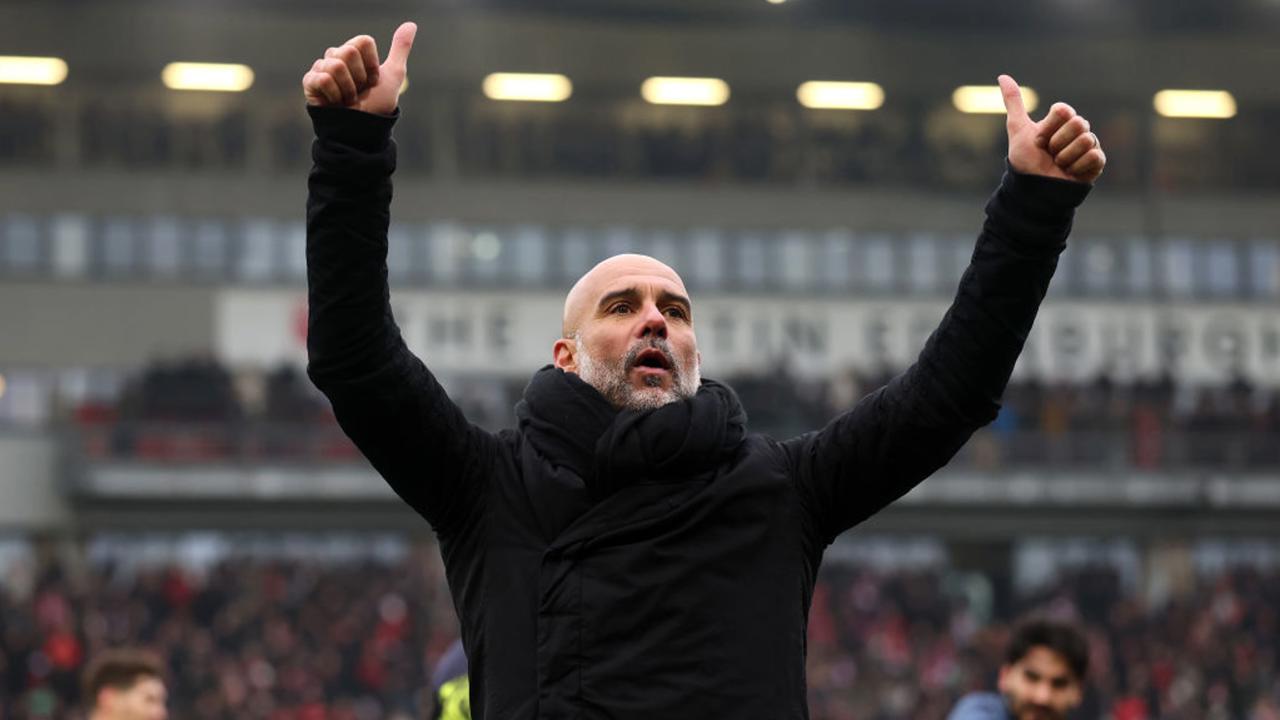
629 550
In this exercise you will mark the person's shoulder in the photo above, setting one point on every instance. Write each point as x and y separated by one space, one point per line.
452 665
757 447
980 706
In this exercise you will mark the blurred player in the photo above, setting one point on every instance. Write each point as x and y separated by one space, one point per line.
450 686
1042 677
126 685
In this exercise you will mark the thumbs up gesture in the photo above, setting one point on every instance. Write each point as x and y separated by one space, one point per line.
350 76
1059 146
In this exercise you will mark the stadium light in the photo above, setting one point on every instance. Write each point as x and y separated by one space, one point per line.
685 91
528 87
20 70
986 99
776 2
840 95
215 77
1215 104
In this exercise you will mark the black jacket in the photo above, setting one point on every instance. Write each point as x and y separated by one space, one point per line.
599 568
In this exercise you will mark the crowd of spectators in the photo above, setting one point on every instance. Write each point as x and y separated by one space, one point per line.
1143 425
1147 424
777 143
142 138
286 639
267 639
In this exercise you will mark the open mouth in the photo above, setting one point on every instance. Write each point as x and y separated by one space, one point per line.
652 359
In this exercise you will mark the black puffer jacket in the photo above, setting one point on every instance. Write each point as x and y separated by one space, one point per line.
660 565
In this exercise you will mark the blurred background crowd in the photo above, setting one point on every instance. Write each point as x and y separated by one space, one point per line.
194 408
308 628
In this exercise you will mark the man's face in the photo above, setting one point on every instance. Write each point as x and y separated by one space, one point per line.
144 700
1040 686
630 334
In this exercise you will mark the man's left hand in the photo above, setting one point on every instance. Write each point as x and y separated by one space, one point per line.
1059 146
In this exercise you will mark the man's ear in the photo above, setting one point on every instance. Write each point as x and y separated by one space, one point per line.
564 354
1006 673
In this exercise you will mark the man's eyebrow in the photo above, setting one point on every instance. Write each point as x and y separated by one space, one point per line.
623 294
666 296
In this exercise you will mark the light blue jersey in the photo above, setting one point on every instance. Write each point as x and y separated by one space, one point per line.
980 706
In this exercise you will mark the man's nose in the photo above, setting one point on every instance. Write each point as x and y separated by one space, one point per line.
653 323
1041 693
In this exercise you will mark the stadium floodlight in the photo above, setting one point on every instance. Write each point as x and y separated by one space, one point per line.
528 87
685 91
215 77
821 94
1213 104
20 70
986 99
776 2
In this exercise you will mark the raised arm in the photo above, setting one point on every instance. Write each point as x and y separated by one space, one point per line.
899 435
385 399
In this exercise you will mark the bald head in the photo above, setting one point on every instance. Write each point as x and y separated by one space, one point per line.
617 272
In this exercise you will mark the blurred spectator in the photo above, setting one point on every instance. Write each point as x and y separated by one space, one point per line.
290 397
1042 678
26 132
195 389
451 686
125 684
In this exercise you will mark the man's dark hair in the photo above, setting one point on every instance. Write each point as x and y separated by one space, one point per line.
1062 638
119 669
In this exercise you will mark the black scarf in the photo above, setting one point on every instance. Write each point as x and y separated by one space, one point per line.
574 427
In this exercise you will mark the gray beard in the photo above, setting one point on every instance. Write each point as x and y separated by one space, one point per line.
610 378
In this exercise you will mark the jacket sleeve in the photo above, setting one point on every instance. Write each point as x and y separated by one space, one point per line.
384 398
899 435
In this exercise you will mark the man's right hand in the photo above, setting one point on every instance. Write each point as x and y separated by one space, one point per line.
350 76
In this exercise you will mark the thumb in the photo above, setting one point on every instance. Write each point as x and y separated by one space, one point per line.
1013 102
401 44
